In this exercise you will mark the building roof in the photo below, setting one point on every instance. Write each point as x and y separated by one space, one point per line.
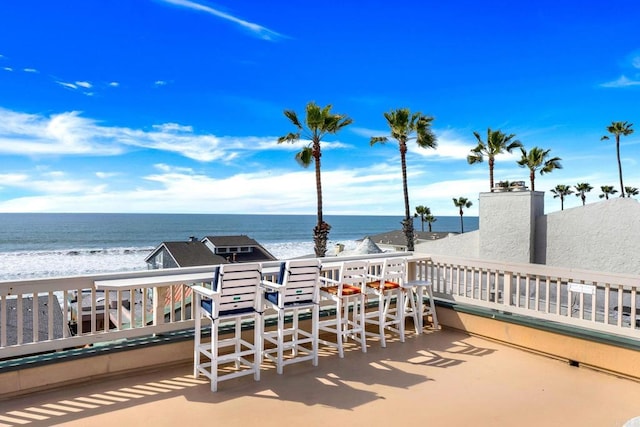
27 319
259 253
237 240
188 254
397 238
196 252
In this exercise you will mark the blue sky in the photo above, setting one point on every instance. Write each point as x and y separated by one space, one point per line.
176 105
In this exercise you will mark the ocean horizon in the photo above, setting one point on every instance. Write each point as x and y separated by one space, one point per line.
34 245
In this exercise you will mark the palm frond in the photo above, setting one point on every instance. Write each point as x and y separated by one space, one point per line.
293 117
474 158
290 137
305 157
376 139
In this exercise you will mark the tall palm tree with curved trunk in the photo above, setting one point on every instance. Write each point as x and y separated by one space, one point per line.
606 191
423 212
497 143
582 189
318 123
631 191
406 126
460 203
561 191
538 159
617 129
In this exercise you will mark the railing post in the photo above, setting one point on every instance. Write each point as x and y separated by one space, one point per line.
508 286
159 295
412 267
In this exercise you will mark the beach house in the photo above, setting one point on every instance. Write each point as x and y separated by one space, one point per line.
210 250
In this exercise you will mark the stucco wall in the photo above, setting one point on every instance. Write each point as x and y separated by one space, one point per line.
507 224
601 236
463 245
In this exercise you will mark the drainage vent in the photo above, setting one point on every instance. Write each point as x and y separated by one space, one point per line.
574 363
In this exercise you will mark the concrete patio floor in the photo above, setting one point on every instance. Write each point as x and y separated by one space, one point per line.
438 378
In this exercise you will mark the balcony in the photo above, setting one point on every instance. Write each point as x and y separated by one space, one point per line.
572 324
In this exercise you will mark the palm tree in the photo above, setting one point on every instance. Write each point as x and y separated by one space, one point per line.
403 124
430 219
561 190
581 191
317 124
617 129
606 190
496 143
537 159
462 203
423 212
631 191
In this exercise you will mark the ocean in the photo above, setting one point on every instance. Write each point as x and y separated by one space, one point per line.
39 245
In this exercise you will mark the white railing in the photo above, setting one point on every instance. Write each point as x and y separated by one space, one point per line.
86 310
605 302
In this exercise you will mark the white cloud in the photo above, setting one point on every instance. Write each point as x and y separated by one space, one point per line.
114 84
67 85
29 70
77 85
160 83
51 184
258 30
13 179
367 133
450 146
623 81
60 134
173 127
106 175
163 167
71 134
635 61
179 189
8 69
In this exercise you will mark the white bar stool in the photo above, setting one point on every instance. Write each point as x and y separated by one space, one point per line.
415 306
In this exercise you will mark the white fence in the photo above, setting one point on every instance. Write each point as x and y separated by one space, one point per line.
54 314
604 302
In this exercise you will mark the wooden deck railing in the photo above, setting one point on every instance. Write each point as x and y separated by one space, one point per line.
86 310
605 302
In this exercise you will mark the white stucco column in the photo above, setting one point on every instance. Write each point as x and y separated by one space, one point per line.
507 225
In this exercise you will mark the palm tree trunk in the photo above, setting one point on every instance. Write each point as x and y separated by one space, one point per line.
619 165
532 178
429 227
461 223
491 163
561 203
321 230
407 223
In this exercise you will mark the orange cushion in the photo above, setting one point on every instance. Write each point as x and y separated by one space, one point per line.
350 290
346 290
386 287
